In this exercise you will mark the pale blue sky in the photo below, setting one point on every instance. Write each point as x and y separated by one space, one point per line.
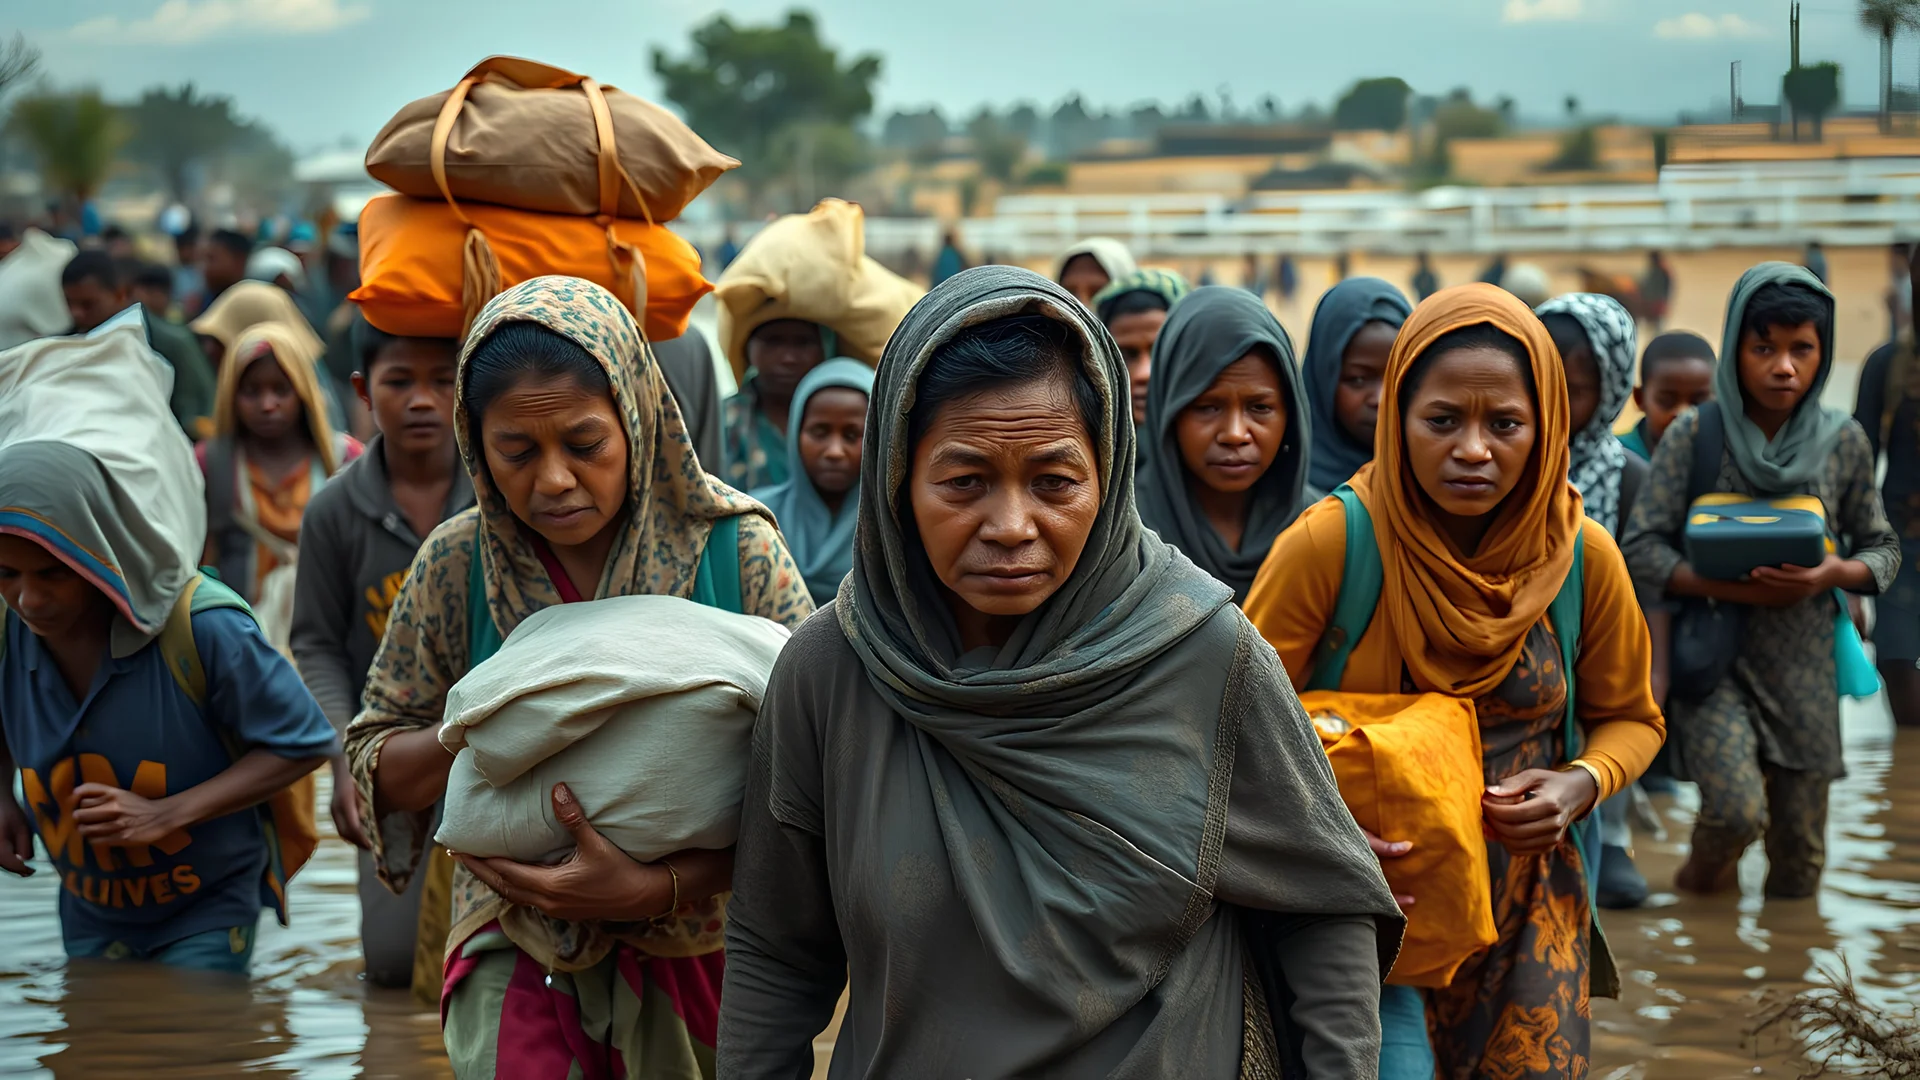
321 71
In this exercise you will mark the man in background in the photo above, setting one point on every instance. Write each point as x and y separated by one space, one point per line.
95 293
225 261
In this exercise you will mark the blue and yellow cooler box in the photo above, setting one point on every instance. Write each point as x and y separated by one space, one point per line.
1728 535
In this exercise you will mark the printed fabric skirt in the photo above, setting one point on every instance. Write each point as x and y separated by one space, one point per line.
629 1017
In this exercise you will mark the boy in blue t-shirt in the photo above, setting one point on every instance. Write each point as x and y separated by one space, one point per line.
145 800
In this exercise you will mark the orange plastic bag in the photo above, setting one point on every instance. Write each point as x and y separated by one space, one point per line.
426 272
1409 769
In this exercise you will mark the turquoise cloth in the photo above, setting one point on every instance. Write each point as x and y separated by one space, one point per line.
821 541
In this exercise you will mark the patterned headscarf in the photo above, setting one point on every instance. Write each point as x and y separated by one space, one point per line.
672 504
1165 284
1596 457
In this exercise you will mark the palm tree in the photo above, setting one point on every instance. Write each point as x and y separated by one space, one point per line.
75 136
1887 18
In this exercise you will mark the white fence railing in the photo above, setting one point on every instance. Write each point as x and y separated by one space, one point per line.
1860 202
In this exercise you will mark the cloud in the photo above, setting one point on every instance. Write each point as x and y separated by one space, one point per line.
1694 26
1520 11
184 22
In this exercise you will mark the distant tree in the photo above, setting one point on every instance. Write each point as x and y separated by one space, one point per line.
1073 128
1507 109
175 130
19 60
1023 120
1887 18
909 130
1373 105
1459 118
1194 111
74 136
768 94
1573 106
1270 109
1311 115
1813 91
998 150
1579 151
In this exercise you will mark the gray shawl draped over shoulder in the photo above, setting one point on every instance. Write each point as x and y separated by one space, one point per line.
1079 776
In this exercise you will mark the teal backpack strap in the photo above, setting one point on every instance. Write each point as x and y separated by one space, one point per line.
1566 612
1361 579
717 584
483 637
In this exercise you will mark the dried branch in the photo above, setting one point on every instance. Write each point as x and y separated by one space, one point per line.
1849 1036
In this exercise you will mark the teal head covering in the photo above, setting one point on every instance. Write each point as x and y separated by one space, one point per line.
1798 454
821 541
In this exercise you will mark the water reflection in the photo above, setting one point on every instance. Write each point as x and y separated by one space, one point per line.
1692 967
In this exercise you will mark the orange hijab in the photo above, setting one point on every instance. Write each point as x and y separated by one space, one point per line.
1460 620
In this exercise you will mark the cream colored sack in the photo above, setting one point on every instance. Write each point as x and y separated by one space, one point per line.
643 705
32 304
813 267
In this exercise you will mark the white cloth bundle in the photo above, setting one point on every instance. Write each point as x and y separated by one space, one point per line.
643 705
32 304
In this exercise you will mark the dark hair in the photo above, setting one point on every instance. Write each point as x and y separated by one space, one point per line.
1011 351
114 231
520 351
235 243
369 341
1568 335
1131 302
142 274
93 265
1477 336
1787 304
1671 346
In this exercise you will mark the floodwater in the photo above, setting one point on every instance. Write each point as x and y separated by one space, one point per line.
1694 969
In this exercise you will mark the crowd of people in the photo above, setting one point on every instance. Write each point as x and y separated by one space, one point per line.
1090 578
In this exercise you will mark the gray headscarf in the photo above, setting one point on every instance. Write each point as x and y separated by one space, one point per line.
1034 760
1798 455
1595 458
1208 331
820 540
1342 313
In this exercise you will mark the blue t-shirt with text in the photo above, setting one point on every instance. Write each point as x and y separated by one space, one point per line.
137 730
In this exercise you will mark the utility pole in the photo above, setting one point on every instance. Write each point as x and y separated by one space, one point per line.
1735 107
1793 36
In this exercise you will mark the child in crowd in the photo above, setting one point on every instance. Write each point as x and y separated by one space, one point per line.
357 540
96 291
1676 374
817 506
1763 744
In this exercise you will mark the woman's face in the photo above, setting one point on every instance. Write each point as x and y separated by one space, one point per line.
1583 387
831 431
558 455
1470 428
1135 334
1356 399
1230 434
1005 491
782 352
1083 276
265 404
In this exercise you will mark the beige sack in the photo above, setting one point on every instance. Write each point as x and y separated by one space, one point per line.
527 135
813 267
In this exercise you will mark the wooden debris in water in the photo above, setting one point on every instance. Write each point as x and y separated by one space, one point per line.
1849 1035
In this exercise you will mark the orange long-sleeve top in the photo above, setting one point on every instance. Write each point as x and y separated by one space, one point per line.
1292 605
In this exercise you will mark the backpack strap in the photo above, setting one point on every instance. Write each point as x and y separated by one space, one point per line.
177 647
1565 613
1361 579
717 583
1709 446
483 637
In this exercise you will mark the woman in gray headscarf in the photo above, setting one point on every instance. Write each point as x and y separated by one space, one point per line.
1226 465
1035 786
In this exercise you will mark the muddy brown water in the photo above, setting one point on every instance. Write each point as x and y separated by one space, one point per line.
1693 967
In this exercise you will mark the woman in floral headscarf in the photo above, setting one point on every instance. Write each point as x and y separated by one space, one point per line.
587 487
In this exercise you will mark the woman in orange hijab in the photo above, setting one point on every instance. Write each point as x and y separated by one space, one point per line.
1478 530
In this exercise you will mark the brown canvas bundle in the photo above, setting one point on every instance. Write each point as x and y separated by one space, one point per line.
527 135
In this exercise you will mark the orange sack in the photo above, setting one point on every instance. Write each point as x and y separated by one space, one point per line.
425 273
1409 769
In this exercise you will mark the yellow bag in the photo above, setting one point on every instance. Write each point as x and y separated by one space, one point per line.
1409 769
